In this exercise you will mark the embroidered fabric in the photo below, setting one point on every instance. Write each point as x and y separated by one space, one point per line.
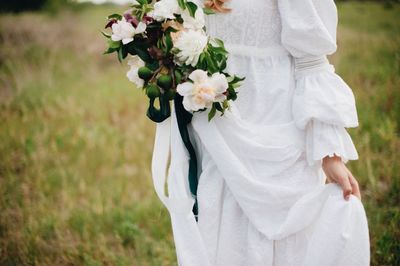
252 22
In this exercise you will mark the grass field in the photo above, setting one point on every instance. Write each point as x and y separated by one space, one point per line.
75 145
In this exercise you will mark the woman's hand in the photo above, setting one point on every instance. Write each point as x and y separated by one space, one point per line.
337 172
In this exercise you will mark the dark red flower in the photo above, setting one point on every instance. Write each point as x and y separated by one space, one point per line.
147 19
110 23
131 19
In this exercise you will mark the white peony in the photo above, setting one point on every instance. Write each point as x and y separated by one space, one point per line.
196 23
190 44
165 9
135 63
203 91
125 31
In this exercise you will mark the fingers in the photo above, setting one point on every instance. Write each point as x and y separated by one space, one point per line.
344 182
354 185
337 172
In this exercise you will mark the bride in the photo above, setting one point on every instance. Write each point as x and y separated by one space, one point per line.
273 187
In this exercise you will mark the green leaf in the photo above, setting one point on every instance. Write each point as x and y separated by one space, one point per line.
142 2
116 16
222 65
230 79
110 50
218 107
144 55
182 4
168 42
192 7
170 29
235 85
202 64
112 44
202 56
208 11
219 50
122 53
219 42
212 113
235 79
120 58
211 67
125 51
105 34
225 104
138 47
175 50
232 94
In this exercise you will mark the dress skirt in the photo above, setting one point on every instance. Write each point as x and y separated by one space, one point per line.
262 195
260 201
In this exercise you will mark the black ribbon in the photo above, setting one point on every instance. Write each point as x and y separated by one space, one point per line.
183 118
159 115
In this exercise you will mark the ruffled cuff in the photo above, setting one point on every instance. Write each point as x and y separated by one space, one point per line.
322 95
323 106
328 140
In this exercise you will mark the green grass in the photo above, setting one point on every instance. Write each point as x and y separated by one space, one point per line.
75 143
369 60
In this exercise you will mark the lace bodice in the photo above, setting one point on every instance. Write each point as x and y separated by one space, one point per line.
251 22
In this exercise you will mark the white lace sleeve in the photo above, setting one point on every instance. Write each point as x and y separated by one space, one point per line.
323 103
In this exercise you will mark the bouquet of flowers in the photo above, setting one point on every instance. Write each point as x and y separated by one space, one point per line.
171 57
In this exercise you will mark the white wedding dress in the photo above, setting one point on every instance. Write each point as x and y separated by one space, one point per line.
262 195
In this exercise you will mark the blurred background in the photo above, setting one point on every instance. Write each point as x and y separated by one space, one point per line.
75 144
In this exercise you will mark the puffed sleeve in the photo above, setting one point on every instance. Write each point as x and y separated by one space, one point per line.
323 104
